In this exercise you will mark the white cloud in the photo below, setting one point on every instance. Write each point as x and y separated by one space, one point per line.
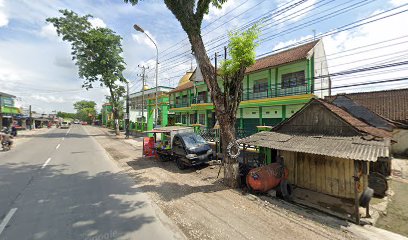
49 31
398 2
217 12
3 16
97 23
281 45
48 99
141 38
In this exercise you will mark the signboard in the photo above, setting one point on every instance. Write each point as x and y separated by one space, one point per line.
7 102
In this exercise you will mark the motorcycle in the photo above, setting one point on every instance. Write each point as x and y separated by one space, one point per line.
6 141
6 145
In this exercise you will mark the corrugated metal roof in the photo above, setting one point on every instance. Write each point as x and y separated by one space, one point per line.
356 148
391 104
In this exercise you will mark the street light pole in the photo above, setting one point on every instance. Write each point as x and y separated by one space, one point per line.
156 111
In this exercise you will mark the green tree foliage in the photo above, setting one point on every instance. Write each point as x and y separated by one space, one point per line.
85 110
66 115
190 14
96 52
84 104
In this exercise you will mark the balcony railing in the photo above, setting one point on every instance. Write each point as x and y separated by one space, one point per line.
250 94
180 105
197 100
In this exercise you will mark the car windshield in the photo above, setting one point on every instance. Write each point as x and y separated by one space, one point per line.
193 140
64 123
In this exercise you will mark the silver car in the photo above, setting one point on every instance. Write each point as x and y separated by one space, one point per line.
64 125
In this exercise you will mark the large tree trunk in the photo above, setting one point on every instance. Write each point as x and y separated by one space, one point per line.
225 108
231 172
225 114
116 120
114 110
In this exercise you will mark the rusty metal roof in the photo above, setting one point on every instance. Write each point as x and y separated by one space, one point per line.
356 148
391 104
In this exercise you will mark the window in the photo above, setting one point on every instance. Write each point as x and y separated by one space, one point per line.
201 119
261 86
202 97
184 119
193 140
185 99
193 118
293 79
177 100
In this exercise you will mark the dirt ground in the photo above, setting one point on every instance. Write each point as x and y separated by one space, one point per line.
203 208
396 219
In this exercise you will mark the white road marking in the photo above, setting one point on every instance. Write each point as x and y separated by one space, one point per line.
63 138
46 162
7 219
68 131
58 146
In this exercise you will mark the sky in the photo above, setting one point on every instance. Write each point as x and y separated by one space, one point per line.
36 65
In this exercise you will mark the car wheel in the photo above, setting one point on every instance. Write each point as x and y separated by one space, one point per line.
180 164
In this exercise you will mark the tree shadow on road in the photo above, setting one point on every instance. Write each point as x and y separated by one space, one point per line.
56 204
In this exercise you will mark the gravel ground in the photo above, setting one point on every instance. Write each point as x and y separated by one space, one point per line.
203 208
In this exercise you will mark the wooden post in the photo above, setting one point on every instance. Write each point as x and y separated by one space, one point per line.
356 202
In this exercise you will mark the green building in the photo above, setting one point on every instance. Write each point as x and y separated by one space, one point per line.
8 111
142 105
275 87
106 113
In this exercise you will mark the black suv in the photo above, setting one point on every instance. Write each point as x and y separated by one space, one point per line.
190 149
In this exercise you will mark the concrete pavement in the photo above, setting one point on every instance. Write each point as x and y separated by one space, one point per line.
62 185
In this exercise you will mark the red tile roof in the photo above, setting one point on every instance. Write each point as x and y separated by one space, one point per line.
390 104
356 123
287 56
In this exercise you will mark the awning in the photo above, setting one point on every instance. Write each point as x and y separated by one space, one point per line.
355 148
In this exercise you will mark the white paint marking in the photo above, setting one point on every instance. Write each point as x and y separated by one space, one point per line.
63 138
68 131
46 162
57 146
7 219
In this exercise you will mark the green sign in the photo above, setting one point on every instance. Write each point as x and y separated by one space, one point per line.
7 102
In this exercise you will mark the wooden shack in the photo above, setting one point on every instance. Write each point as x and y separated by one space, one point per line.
326 151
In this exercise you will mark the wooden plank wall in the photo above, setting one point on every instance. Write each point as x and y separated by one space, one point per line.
329 175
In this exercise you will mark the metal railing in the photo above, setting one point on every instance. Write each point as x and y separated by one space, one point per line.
250 94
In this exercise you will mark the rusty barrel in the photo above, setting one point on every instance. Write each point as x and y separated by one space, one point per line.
266 177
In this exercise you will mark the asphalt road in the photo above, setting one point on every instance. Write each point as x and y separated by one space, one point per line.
62 185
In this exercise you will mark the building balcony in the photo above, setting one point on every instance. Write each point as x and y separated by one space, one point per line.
252 94
200 100
180 105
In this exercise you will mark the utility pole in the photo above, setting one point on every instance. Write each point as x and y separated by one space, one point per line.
127 111
30 117
143 89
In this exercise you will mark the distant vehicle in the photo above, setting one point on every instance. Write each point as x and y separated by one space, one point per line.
84 123
76 121
190 149
64 125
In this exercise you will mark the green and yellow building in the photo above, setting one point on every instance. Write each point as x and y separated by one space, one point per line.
8 111
275 87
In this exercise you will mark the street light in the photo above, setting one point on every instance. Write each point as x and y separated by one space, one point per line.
139 29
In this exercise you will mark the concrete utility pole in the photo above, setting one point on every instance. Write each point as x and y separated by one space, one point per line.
30 117
143 90
127 111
